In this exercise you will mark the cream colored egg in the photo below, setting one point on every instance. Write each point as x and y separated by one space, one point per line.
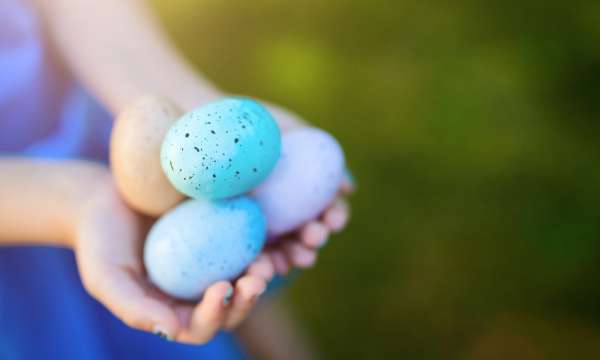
135 145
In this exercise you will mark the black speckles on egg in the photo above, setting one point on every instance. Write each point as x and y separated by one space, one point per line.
217 139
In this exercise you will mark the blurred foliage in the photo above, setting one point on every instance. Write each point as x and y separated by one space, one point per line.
472 128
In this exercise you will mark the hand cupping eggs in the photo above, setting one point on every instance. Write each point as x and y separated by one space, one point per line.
135 145
214 154
201 242
221 149
306 179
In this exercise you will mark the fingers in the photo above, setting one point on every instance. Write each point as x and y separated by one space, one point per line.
247 291
279 261
221 307
209 315
262 267
314 234
299 255
337 215
125 297
300 250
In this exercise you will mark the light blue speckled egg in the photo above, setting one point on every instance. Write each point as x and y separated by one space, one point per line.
221 149
201 242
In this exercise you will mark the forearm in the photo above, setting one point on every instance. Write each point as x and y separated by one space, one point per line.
41 201
271 333
118 49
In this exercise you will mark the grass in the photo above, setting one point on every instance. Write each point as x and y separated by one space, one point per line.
472 128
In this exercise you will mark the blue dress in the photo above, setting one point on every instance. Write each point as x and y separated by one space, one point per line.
44 311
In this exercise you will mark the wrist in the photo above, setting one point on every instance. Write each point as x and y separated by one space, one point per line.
96 179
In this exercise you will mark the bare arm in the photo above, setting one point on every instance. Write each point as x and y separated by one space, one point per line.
43 200
119 51
75 204
271 333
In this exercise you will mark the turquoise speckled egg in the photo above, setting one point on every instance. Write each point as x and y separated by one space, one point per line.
221 149
201 242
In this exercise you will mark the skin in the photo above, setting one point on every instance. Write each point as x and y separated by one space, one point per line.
77 205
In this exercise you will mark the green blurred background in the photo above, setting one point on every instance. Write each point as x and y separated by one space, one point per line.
472 128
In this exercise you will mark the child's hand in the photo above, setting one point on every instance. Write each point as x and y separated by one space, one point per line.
109 247
300 248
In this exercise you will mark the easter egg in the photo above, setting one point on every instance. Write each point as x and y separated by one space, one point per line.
200 242
305 180
221 149
135 144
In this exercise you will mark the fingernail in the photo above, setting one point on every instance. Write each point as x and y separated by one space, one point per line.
350 177
161 333
258 294
323 243
323 237
227 297
306 259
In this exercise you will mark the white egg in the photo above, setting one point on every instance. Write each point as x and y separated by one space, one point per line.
305 180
